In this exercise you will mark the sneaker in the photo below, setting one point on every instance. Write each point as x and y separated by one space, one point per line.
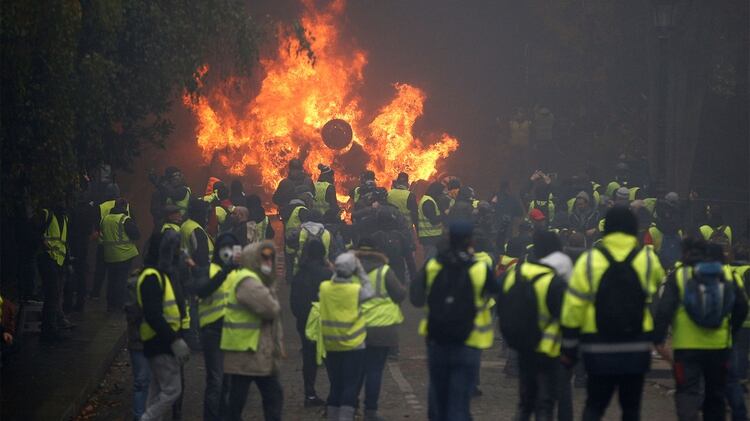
313 401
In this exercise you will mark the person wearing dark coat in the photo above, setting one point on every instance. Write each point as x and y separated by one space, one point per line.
313 270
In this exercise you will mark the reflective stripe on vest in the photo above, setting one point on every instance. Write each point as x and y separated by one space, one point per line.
483 333
400 199
342 322
241 328
211 308
425 228
380 310
56 237
320 204
550 328
688 335
170 310
116 244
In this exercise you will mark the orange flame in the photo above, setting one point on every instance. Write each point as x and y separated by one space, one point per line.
297 96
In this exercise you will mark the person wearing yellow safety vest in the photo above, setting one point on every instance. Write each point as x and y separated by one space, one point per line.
741 346
160 299
382 317
257 221
53 223
251 336
118 236
210 287
292 215
605 313
217 196
311 228
175 190
172 219
455 289
198 245
325 191
403 199
366 185
538 357
111 193
701 339
343 330
430 220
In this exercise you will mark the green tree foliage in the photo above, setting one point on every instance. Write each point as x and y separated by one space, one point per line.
91 81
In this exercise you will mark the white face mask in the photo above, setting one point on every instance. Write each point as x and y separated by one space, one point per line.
266 269
225 254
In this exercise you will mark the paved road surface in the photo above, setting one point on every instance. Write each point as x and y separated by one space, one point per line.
404 389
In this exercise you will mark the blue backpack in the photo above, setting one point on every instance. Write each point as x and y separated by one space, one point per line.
709 296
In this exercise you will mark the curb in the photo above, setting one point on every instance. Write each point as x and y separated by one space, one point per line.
74 408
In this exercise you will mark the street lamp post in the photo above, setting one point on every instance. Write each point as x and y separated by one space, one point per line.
663 15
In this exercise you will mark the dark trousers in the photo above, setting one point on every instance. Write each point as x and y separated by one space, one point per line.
117 278
80 271
738 372
51 274
452 369
537 386
309 363
100 271
601 387
375 357
237 389
700 379
345 370
214 361
564 393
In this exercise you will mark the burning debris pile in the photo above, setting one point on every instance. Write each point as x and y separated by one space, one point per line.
298 95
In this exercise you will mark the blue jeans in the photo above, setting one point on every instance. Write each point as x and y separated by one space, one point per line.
375 357
141 379
737 372
345 371
452 370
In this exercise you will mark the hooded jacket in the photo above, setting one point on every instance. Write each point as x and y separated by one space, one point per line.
261 299
152 295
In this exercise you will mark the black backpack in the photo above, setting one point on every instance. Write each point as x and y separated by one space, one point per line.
451 304
518 313
620 299
709 296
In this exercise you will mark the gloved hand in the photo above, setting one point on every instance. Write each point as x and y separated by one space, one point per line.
180 350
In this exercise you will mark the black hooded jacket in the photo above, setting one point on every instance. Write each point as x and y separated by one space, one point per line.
152 294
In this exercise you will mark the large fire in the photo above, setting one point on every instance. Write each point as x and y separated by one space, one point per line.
297 96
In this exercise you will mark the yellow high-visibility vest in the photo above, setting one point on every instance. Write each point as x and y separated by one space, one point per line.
342 322
381 310
550 327
56 237
425 228
241 328
117 246
482 335
169 304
